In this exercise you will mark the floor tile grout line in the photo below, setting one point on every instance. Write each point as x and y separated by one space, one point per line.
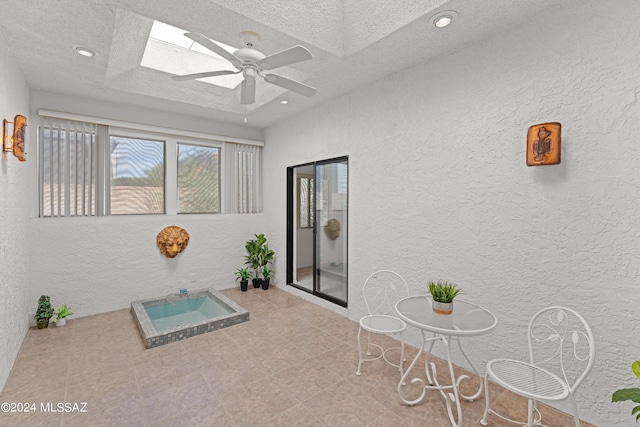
66 385
224 407
139 393
341 359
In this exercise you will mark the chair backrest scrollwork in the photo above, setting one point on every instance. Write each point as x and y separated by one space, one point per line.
381 290
561 341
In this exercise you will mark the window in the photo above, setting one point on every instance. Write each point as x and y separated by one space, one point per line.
87 169
137 176
305 202
198 179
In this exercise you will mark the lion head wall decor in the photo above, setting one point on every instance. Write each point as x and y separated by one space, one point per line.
172 240
332 229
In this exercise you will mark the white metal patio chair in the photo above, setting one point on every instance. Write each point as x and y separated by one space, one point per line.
560 341
380 292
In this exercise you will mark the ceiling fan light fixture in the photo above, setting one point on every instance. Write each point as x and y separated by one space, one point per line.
84 51
443 19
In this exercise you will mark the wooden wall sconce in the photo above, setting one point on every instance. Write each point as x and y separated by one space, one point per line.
16 141
543 144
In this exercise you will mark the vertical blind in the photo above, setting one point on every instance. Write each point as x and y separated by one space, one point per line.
68 168
244 171
75 165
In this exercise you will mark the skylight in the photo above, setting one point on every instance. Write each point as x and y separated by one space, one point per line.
170 51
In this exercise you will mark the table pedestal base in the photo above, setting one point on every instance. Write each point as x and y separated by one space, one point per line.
451 393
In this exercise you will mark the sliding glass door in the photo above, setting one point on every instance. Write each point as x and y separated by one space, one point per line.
317 224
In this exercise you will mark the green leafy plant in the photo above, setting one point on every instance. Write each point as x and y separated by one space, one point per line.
254 250
63 312
44 312
442 291
632 394
243 274
266 256
267 273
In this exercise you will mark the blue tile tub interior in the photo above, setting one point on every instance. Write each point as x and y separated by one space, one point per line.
178 316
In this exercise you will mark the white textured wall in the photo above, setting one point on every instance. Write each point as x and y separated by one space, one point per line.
102 264
439 187
14 212
147 116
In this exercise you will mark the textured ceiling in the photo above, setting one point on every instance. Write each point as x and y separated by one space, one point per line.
354 42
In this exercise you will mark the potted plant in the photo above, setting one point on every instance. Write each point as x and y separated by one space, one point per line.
254 249
44 312
243 275
63 312
443 294
632 394
266 277
266 256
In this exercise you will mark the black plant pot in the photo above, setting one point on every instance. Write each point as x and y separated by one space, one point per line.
43 324
257 283
243 285
265 284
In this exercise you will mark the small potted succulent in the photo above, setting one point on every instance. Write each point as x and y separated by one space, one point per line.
443 294
243 275
632 394
63 312
44 312
267 274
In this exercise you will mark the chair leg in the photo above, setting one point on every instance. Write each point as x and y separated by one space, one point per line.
368 343
575 410
359 353
530 413
402 359
401 365
483 421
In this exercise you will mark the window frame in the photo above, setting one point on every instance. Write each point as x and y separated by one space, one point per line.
171 165
220 175
108 166
171 136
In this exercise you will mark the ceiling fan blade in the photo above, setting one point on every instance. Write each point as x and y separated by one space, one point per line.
291 85
286 57
203 75
248 91
214 47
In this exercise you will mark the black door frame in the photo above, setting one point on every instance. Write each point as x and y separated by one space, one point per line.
291 232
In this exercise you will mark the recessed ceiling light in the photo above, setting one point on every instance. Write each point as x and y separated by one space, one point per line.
284 101
443 19
84 51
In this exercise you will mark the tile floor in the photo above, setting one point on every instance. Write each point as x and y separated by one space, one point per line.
292 364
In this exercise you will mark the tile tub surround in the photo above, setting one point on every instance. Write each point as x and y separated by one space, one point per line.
292 364
153 338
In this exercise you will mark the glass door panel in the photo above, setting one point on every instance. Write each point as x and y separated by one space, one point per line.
331 179
317 214
304 226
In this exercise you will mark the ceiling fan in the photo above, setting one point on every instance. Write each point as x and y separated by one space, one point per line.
251 63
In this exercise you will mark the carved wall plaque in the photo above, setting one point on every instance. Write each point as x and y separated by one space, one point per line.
543 144
172 240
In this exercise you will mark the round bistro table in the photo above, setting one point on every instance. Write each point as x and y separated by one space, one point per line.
467 320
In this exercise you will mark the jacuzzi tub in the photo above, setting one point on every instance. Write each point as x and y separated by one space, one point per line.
178 316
